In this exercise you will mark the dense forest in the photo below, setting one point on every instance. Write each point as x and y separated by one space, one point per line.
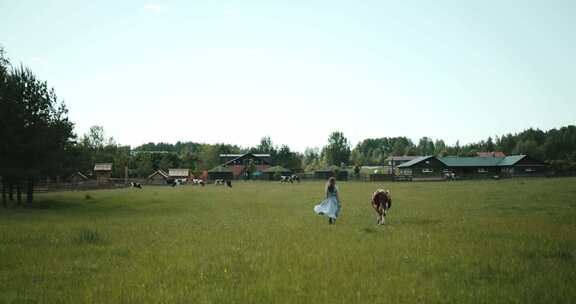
37 141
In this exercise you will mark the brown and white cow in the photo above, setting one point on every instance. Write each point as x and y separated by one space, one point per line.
381 202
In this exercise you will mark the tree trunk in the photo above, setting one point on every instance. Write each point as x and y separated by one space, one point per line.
10 190
30 191
4 193
19 193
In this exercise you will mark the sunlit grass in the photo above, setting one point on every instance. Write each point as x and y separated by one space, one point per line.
510 241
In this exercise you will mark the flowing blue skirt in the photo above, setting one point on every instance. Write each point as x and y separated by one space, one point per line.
329 207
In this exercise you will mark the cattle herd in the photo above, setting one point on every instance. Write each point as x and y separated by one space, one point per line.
218 182
289 179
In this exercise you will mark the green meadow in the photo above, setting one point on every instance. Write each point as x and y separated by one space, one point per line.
507 241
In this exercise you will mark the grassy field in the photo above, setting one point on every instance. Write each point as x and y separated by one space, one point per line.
509 241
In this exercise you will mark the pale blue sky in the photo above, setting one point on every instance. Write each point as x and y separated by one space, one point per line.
234 71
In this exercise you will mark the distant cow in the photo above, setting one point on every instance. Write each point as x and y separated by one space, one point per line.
136 185
178 182
198 182
219 182
229 183
289 179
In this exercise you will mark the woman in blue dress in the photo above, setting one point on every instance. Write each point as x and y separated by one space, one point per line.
331 205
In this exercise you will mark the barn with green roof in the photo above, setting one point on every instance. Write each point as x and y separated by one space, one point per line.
431 167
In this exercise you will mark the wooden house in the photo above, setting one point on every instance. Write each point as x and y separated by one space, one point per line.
220 172
395 161
238 163
103 172
522 166
422 168
178 173
158 178
431 167
472 167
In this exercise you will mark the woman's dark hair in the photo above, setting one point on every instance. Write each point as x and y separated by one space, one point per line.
330 184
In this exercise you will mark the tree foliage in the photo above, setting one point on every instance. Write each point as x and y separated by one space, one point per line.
337 152
34 128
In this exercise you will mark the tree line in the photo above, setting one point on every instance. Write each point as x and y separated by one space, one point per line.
38 142
556 146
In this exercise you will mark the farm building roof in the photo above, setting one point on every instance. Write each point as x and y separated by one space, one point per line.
457 161
239 155
511 160
454 161
242 156
414 161
79 174
220 169
159 172
491 154
406 157
103 167
178 172
277 169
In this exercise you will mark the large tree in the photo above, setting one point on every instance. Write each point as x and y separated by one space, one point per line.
4 65
265 146
288 159
425 146
337 152
34 128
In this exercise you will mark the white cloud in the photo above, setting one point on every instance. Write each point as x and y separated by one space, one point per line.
152 7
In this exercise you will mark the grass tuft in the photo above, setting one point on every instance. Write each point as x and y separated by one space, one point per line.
87 236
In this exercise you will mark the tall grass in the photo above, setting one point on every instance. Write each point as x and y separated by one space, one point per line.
510 241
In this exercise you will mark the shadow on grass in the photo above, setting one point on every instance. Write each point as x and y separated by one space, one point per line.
369 230
43 204
88 236
563 255
54 205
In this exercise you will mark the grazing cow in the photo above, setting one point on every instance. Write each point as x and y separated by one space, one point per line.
198 182
381 202
178 182
219 182
136 185
289 179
